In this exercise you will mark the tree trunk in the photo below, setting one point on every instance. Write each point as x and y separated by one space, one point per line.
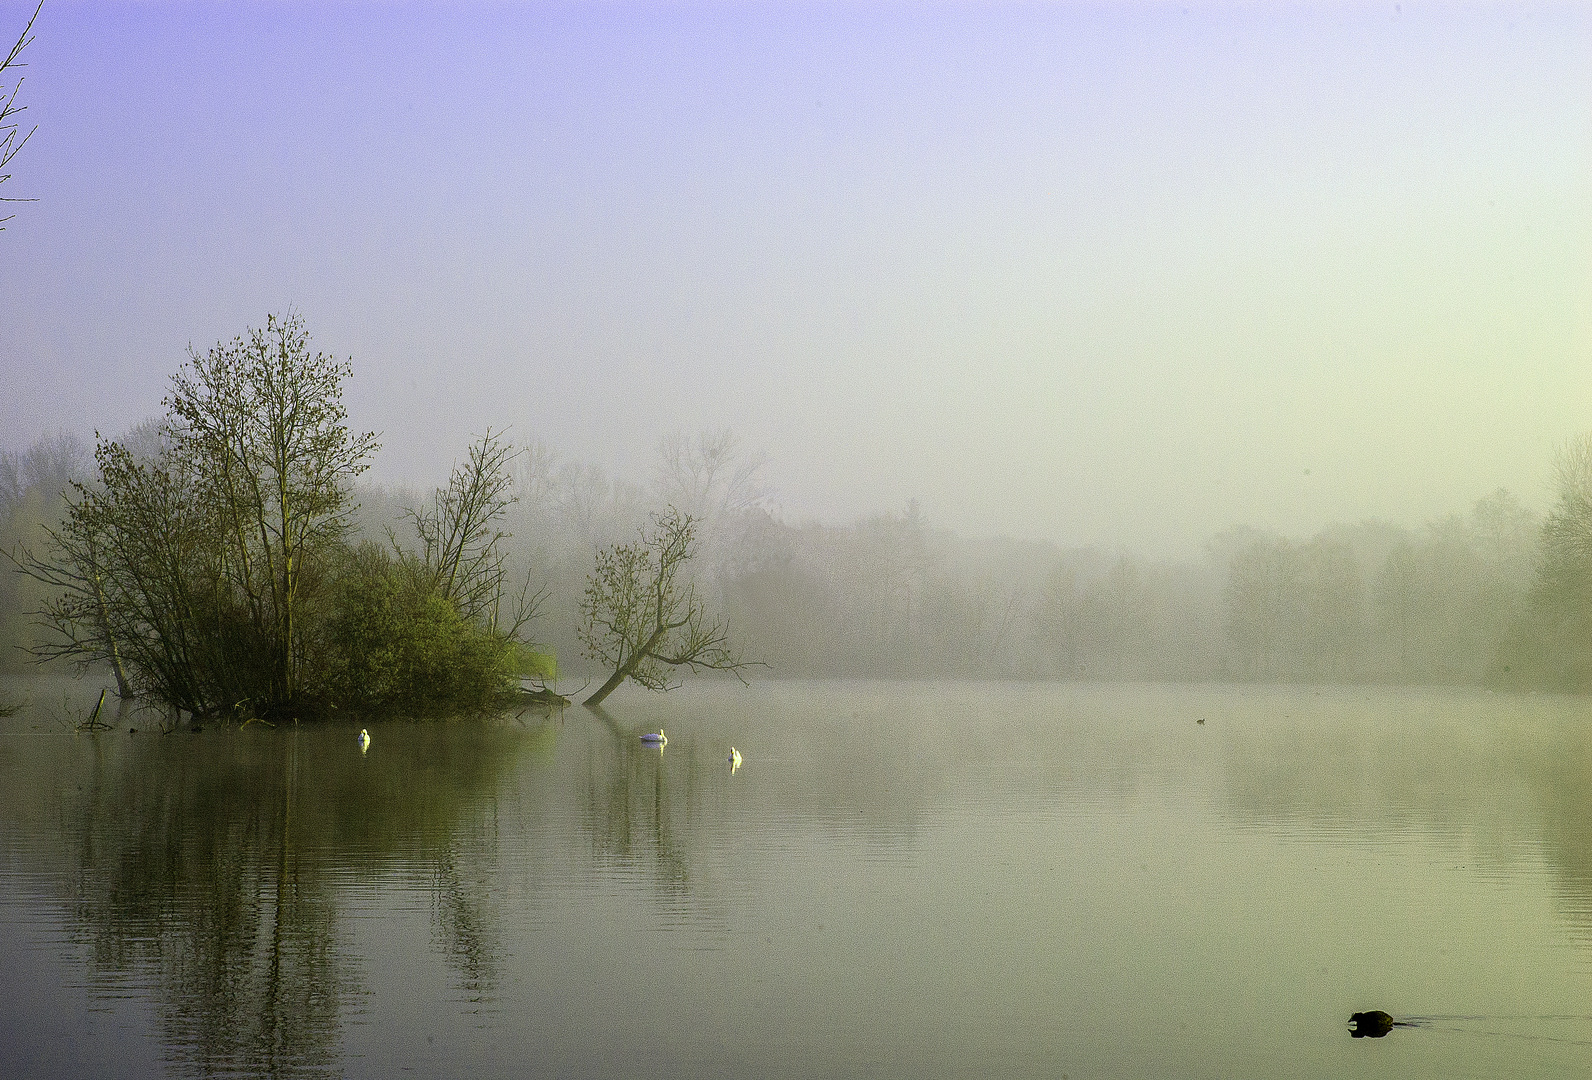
622 672
123 689
113 651
619 676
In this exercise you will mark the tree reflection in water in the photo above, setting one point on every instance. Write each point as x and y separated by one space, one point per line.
209 867
1507 777
630 806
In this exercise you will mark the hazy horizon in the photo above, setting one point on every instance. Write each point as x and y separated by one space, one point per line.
1094 274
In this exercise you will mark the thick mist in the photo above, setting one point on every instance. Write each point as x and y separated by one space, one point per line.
1122 276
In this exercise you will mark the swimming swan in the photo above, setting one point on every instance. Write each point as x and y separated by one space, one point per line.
364 740
660 739
735 759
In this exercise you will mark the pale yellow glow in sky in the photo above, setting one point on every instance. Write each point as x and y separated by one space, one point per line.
1111 274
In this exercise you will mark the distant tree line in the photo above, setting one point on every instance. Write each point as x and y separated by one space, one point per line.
204 556
1494 595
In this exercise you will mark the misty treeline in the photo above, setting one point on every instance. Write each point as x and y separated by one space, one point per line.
1482 596
1494 594
1490 595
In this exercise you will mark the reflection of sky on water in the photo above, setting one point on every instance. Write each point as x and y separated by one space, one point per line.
903 879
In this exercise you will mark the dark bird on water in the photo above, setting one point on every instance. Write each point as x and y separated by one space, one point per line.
1370 1025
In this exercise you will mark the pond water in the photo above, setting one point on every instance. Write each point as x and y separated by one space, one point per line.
901 880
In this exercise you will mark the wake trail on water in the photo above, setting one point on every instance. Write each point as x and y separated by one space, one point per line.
1497 1025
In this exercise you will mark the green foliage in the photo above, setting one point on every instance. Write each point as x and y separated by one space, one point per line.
533 663
398 645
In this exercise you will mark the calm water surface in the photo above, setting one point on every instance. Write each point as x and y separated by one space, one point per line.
902 880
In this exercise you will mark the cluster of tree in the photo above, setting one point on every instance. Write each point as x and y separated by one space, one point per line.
213 561
1373 601
210 562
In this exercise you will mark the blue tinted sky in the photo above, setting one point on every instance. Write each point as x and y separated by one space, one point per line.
1094 273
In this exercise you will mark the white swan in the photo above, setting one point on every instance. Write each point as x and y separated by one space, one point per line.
659 739
364 740
735 759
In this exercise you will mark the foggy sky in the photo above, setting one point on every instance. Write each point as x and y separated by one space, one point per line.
1090 273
